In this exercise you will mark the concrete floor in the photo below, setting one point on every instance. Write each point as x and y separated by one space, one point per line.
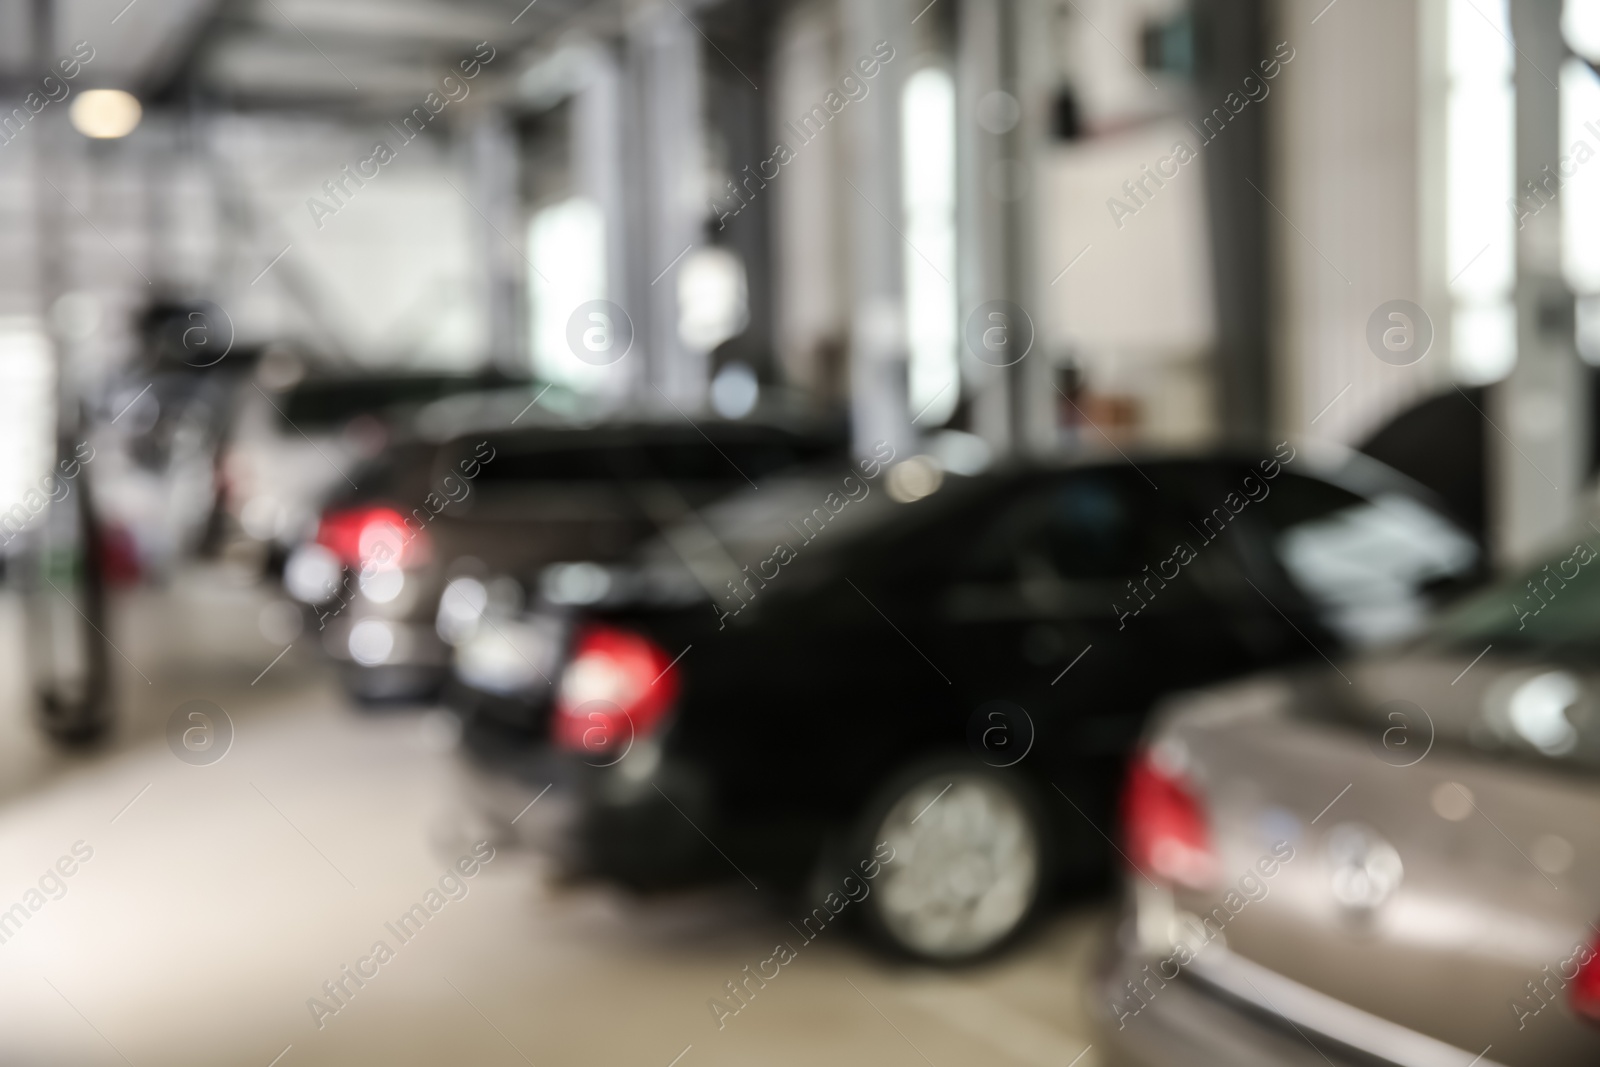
219 898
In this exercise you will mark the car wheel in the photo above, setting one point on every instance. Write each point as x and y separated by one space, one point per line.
68 662
969 861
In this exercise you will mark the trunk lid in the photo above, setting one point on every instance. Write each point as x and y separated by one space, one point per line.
1445 870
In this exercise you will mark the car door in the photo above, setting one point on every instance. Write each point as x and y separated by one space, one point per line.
1031 616
1077 604
1027 615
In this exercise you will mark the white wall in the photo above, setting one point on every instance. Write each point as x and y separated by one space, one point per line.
1137 309
1348 178
396 271
809 262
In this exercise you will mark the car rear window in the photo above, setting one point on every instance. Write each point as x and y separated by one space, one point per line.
329 404
671 456
1365 564
1081 527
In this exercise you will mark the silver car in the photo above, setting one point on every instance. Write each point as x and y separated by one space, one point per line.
1389 861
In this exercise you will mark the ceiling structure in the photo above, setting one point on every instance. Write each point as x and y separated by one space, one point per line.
352 55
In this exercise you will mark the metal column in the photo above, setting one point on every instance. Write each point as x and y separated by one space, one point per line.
664 55
1537 462
980 215
1234 35
1001 49
878 349
492 150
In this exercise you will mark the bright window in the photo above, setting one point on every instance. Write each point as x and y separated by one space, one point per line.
1480 182
566 251
27 407
928 189
1580 195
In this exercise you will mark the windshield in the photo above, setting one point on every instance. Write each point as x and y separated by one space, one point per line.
1552 605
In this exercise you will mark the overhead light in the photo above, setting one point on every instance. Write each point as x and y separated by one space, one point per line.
105 114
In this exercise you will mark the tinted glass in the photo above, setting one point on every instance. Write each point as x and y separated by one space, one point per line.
653 455
1080 528
1364 564
324 404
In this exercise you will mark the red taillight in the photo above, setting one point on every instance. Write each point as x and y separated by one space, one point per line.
617 687
1164 826
1585 991
119 555
375 533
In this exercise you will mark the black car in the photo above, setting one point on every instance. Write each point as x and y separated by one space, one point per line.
509 499
952 667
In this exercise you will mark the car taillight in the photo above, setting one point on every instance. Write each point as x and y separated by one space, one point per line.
375 533
1585 991
1164 826
616 687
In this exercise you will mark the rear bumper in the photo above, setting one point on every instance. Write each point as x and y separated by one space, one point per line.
392 681
646 833
1225 1011
643 830
519 719
409 644
506 671
413 666
1185 1023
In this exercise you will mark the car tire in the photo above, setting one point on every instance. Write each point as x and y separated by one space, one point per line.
970 860
67 650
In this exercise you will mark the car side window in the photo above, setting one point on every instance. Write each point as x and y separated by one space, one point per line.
756 456
1364 564
1077 528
